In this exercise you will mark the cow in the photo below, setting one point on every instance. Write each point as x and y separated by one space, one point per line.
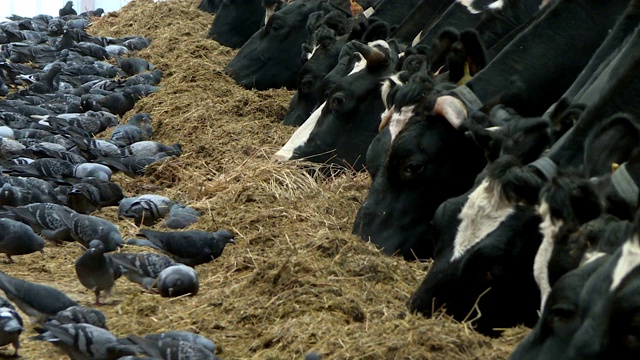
210 6
271 57
425 12
339 131
320 55
592 311
236 21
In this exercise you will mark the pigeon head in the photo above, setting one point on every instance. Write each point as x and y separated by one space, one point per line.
96 247
224 237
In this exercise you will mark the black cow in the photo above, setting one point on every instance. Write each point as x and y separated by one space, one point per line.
210 6
425 12
341 129
271 57
236 21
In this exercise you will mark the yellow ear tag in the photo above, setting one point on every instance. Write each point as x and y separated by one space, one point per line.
614 166
356 9
466 77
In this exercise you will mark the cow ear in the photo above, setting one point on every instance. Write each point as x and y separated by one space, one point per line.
476 56
451 109
314 21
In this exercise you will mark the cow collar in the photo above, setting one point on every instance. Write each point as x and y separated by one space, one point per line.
625 186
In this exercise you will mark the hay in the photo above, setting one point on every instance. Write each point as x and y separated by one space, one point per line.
297 280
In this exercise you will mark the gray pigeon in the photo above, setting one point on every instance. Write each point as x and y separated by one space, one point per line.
177 280
44 220
17 238
181 216
95 270
83 341
151 148
81 314
192 247
133 65
183 335
11 326
36 300
138 128
145 209
141 268
84 228
172 349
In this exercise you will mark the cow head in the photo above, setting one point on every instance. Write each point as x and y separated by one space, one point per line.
236 21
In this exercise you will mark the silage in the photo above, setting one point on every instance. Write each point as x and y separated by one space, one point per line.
297 280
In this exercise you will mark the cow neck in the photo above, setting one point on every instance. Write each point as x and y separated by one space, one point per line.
625 185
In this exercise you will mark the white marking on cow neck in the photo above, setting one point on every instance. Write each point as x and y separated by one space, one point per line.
483 212
300 136
268 11
367 13
496 5
589 256
313 51
386 88
549 227
399 119
629 260
417 39
359 65
469 5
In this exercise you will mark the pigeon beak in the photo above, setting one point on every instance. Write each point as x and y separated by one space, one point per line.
232 240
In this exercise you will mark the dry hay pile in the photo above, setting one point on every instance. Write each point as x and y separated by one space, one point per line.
297 280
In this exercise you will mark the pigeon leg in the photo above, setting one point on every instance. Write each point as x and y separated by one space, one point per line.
97 303
10 259
16 345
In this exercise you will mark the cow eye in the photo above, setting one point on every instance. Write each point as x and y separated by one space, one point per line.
306 85
560 313
337 100
411 169
276 26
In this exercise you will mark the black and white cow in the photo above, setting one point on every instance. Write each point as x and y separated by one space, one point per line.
425 12
340 130
592 312
271 57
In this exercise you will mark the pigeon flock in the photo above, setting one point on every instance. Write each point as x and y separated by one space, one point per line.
60 89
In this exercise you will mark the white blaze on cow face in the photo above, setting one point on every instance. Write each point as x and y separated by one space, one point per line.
483 212
387 85
549 227
313 51
629 260
589 256
496 5
300 137
399 119
416 40
360 64
469 5
268 11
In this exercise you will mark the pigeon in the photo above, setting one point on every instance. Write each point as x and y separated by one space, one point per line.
84 228
44 220
151 148
191 247
18 238
133 65
181 216
81 314
172 349
83 341
92 194
67 9
95 270
132 166
142 268
146 209
138 128
11 326
177 280
183 335
36 300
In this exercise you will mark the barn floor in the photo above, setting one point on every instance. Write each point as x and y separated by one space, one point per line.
296 280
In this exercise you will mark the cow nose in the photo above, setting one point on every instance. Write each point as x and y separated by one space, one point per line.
279 157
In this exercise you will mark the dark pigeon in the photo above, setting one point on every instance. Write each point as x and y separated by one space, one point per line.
178 280
36 300
18 238
138 128
11 326
192 247
133 65
95 270
83 341
141 268
84 228
132 166
81 314
145 209
172 349
181 216
44 220
67 9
